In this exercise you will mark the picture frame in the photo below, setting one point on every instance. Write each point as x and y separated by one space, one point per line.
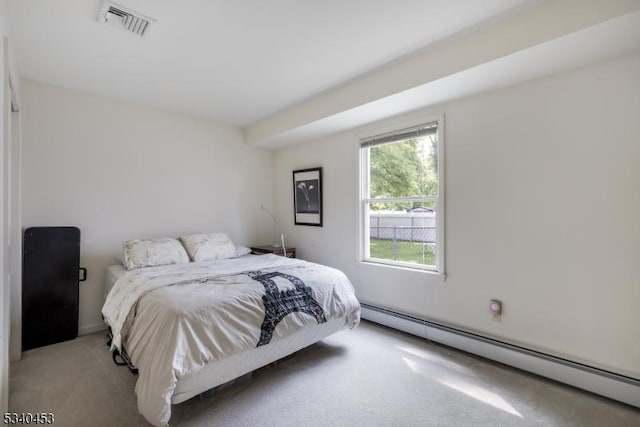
307 197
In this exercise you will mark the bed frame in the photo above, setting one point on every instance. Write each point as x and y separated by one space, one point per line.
238 365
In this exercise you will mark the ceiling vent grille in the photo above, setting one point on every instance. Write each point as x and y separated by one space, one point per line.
126 19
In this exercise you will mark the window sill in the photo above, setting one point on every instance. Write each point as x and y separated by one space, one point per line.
404 267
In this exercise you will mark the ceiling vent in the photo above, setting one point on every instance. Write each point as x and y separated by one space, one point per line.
124 18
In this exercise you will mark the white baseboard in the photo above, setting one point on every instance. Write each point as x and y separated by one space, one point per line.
89 329
598 381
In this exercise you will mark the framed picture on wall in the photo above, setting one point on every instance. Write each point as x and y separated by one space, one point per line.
307 196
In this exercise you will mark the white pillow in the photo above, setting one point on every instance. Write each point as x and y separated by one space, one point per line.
201 247
241 250
152 252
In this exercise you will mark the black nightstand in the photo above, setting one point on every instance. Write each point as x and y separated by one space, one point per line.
269 249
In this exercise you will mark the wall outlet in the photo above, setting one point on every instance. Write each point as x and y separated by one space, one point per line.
495 307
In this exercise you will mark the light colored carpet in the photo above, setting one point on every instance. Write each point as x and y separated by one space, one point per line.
369 376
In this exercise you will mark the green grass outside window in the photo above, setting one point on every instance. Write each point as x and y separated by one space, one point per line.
413 252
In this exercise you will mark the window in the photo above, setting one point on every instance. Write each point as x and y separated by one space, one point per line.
401 201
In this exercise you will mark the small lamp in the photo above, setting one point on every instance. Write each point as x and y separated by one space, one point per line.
275 224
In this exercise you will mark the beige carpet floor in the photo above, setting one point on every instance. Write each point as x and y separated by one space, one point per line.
369 376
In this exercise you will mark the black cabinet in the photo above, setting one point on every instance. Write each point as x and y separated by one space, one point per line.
50 294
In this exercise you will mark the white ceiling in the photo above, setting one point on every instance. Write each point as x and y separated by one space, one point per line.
233 61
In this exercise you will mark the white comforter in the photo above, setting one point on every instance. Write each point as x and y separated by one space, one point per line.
175 319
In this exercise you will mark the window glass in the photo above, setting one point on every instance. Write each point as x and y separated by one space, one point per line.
401 198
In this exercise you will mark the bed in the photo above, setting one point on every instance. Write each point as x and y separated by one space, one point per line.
191 326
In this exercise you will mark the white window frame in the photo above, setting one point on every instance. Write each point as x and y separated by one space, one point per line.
363 198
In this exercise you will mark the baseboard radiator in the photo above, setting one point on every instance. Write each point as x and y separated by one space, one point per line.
609 384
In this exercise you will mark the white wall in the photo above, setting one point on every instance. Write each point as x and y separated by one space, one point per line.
5 286
10 267
119 171
542 201
15 229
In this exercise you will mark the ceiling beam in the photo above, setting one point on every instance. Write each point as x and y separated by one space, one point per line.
542 23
